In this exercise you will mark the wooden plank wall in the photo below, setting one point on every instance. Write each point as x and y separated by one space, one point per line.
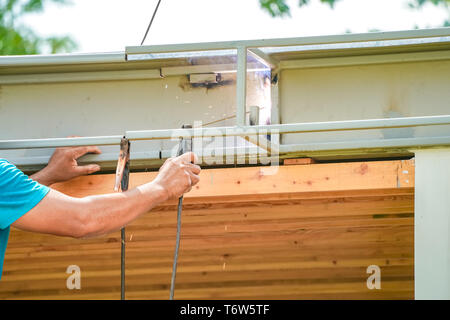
303 232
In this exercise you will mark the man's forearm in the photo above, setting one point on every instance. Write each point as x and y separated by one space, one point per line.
107 213
62 215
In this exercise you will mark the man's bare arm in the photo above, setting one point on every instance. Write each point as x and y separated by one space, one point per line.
63 215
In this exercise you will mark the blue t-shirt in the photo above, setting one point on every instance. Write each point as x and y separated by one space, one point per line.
18 195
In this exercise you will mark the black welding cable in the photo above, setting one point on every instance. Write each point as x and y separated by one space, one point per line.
151 22
184 146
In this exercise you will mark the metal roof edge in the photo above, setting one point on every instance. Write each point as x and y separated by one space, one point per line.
282 42
164 56
62 59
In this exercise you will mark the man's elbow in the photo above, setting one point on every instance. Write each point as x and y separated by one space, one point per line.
83 225
79 232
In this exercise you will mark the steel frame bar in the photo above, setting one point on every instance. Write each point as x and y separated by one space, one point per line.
368 124
241 85
415 142
283 42
60 142
306 149
263 58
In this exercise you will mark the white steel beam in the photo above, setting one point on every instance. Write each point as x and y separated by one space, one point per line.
241 86
432 224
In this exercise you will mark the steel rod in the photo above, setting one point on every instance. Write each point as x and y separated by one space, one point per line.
368 124
121 184
416 142
122 262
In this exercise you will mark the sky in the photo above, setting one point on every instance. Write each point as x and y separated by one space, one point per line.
110 25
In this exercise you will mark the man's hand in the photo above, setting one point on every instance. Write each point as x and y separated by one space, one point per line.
63 165
178 175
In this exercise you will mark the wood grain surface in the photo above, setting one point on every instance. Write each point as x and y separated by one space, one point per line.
300 232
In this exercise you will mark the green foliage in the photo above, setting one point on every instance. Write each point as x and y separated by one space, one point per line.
416 4
276 8
16 38
280 8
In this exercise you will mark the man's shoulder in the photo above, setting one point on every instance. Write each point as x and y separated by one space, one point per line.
4 162
18 193
11 178
6 167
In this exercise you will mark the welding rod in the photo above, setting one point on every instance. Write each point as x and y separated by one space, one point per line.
121 183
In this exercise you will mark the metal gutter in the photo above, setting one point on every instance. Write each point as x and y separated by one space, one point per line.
287 53
61 59
57 77
269 47
139 74
409 44
365 60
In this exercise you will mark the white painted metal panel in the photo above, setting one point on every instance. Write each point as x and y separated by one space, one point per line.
365 92
432 224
